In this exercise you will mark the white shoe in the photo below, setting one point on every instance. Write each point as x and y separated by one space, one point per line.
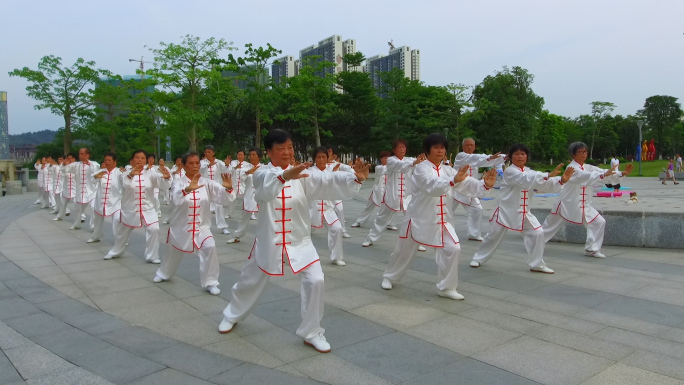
542 269
253 217
319 343
92 240
226 217
356 224
233 240
109 256
392 227
156 279
165 222
595 254
474 263
367 243
73 227
345 235
478 239
421 248
53 212
155 261
57 219
225 231
213 290
450 293
339 263
386 284
226 326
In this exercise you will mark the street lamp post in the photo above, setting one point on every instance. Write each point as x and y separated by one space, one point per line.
640 123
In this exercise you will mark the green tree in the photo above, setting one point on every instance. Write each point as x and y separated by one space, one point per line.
550 141
62 90
111 99
600 112
506 109
193 88
662 114
398 109
459 100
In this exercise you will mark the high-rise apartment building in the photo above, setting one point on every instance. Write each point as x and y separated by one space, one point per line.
283 68
331 49
403 58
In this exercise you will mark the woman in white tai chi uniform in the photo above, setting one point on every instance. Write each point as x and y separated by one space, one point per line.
68 188
137 208
108 182
427 219
85 189
212 169
375 199
513 211
283 235
574 203
190 229
249 203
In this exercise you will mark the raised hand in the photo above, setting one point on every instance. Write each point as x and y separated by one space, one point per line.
612 170
165 171
253 169
137 170
228 160
332 158
628 170
194 184
99 174
494 156
178 170
419 159
227 181
238 165
337 167
462 174
361 170
295 172
556 171
567 174
490 178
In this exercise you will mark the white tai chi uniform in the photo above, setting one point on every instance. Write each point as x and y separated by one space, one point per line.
56 177
284 236
513 213
108 201
396 196
339 206
190 228
238 179
137 210
323 213
574 205
155 199
427 223
214 173
375 198
39 184
85 190
48 185
472 205
67 191
249 204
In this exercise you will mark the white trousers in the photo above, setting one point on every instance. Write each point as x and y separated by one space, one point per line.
474 218
155 202
242 224
48 199
334 240
208 267
63 208
166 195
595 230
383 219
368 211
80 209
339 211
446 258
220 219
252 282
532 239
98 232
229 208
151 241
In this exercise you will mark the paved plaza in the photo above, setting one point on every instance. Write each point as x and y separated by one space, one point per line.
69 317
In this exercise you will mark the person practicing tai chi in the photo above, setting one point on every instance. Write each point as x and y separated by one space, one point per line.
137 208
427 219
190 229
472 204
67 189
212 169
335 165
513 210
283 235
397 195
237 169
575 200
83 172
108 188
249 204
375 199
57 176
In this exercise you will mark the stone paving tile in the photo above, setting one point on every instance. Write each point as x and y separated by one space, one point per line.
352 297
605 284
657 363
503 321
200 330
138 340
398 313
15 307
154 314
629 375
461 335
657 293
249 374
544 362
194 361
206 304
621 322
8 373
37 324
75 376
35 361
468 372
169 377
241 349
573 295
131 298
331 369
10 338
284 345
660 313
388 357
33 263
588 344
508 282
114 285
648 343
117 365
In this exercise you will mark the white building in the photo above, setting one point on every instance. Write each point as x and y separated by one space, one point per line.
283 68
404 58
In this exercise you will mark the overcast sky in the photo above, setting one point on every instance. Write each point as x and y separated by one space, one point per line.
579 51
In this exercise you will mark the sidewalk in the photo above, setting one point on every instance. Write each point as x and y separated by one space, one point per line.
67 316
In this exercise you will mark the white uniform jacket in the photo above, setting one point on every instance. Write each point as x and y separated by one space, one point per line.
397 189
39 177
321 209
136 199
238 176
179 175
284 225
379 185
190 217
83 176
48 183
475 161
214 172
429 212
516 193
574 203
68 183
56 171
108 192
249 202
344 168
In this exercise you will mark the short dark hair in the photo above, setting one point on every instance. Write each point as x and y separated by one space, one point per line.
385 154
87 150
111 155
187 155
138 151
178 157
240 151
434 139
258 151
71 154
151 155
576 146
318 150
209 147
518 147
276 136
399 141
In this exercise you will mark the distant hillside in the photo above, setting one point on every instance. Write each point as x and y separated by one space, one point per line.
39 137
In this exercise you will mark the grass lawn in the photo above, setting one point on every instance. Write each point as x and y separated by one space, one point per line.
648 169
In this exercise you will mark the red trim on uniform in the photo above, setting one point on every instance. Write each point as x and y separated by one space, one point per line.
281 179
298 271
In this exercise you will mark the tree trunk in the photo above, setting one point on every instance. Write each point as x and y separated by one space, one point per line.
67 133
193 138
316 132
112 146
258 129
